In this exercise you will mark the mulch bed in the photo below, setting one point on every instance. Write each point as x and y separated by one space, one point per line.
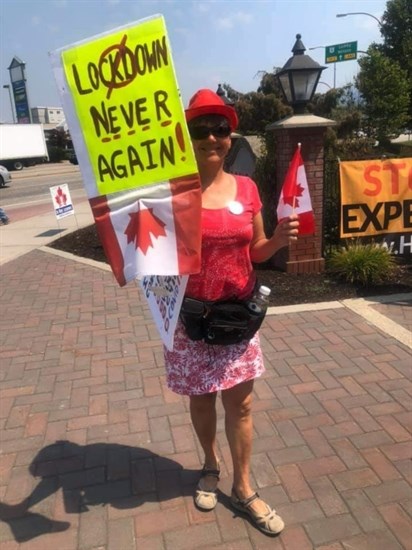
287 289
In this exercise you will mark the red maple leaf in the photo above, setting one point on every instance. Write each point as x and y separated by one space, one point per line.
299 193
142 227
60 197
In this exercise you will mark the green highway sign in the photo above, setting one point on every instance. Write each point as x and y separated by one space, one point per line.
341 52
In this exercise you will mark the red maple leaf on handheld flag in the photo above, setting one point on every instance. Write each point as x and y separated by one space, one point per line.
294 201
143 227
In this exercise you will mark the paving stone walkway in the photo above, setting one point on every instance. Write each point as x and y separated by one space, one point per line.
107 456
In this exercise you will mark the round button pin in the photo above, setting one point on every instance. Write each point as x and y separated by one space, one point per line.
235 207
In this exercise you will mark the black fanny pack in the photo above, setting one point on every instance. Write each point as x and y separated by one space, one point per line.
219 323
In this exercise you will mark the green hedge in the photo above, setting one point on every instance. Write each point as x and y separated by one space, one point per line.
56 154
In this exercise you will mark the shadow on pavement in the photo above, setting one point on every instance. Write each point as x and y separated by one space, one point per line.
95 474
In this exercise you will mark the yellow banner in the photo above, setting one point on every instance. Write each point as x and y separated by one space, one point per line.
129 108
376 197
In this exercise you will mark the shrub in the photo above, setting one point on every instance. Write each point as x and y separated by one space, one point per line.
56 154
365 264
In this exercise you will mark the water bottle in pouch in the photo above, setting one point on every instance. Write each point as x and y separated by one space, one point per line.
260 300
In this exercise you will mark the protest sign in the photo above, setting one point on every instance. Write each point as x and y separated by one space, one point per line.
127 123
376 200
126 101
126 120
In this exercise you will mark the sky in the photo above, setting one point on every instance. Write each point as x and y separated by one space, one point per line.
212 41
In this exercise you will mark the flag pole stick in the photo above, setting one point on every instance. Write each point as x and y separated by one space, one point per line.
294 196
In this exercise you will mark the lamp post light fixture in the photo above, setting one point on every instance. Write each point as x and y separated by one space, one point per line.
299 77
360 13
222 94
7 87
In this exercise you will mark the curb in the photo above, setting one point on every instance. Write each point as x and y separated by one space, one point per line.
300 308
362 307
79 259
32 174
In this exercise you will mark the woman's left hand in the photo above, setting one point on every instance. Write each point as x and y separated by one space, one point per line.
262 248
287 231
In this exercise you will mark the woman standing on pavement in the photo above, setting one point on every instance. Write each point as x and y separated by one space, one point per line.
232 238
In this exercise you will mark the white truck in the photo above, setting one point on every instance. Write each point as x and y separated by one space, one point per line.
22 145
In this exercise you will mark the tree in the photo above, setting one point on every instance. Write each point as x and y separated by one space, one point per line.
385 94
324 104
58 140
258 109
342 106
396 32
269 83
58 137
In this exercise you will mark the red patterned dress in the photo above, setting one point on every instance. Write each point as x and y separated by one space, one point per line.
194 367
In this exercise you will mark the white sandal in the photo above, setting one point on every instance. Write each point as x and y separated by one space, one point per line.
206 500
269 523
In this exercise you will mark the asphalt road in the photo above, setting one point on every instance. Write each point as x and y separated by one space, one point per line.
30 188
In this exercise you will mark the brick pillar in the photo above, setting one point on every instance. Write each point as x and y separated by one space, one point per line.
304 256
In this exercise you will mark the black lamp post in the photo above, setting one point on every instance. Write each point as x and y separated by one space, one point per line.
222 94
299 77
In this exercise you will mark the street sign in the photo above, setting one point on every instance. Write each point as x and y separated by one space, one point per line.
341 52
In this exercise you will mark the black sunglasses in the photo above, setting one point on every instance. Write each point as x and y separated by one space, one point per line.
203 132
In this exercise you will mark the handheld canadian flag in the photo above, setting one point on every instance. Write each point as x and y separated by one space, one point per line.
153 234
294 196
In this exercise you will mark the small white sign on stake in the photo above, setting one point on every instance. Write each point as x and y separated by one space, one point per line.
62 202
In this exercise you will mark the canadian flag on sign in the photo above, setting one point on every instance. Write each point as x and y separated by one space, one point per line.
294 197
153 233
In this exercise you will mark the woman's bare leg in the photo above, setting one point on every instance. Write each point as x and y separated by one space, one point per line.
237 402
203 414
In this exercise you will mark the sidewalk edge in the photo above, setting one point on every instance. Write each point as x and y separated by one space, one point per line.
362 307
80 259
